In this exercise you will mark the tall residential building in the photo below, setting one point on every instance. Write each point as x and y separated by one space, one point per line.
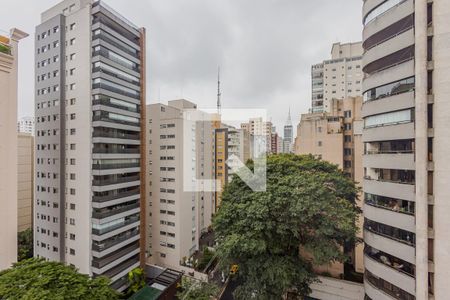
406 120
259 127
180 158
337 78
25 180
288 135
90 91
337 137
26 125
228 142
8 148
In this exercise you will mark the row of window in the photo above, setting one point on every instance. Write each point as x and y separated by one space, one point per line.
169 136
170 191
47 33
390 118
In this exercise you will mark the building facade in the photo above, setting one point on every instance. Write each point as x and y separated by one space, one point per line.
25 181
90 88
8 149
406 66
261 128
337 137
288 135
228 142
26 125
180 205
337 78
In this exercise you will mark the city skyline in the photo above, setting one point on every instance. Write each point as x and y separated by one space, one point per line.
262 65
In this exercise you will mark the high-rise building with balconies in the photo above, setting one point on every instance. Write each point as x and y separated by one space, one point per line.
89 110
406 110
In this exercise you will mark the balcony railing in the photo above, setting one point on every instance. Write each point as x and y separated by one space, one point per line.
115 211
116 151
104 245
130 220
103 182
106 198
101 262
115 135
370 152
115 166
390 180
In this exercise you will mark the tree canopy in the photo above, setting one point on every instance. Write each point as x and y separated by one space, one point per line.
41 280
25 244
192 289
309 205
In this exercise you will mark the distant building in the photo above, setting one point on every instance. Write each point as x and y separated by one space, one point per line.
288 135
337 137
258 127
25 181
26 125
229 141
8 149
337 78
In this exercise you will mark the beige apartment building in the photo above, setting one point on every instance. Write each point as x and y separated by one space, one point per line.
25 181
336 137
259 127
337 78
179 181
406 110
8 148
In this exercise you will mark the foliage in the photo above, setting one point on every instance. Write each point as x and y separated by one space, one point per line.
309 207
207 256
136 278
25 244
37 279
192 289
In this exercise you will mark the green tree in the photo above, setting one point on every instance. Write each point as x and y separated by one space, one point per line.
136 278
192 289
25 244
37 279
308 207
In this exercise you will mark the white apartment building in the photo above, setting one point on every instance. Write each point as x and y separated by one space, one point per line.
26 125
259 127
181 154
337 78
90 87
406 110
8 148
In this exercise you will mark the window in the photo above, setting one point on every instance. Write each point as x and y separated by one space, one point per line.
72 176
319 143
347 138
72 236
72 116
72 191
55 29
72 41
380 9
72 56
347 114
72 101
390 89
72 71
55 44
72 26
72 206
73 86
72 251
72 161
72 221
391 118
347 151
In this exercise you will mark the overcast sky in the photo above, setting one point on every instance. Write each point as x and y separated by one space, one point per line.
264 47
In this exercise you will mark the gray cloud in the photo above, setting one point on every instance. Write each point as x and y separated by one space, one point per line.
265 48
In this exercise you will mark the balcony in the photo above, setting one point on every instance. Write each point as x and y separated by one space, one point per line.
4 45
387 287
115 240
395 160
127 221
124 150
115 166
108 212
390 189
390 217
102 262
105 182
115 196
110 133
